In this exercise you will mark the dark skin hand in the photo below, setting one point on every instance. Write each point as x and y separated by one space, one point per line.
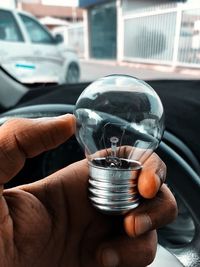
51 222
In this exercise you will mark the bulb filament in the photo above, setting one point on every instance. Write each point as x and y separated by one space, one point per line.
112 143
114 140
113 160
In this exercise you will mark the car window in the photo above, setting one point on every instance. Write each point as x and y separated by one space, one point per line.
36 32
9 30
150 40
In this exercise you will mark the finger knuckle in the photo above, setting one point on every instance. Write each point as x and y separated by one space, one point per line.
173 209
150 255
158 164
150 249
162 171
14 126
161 163
163 166
13 122
156 157
171 205
146 250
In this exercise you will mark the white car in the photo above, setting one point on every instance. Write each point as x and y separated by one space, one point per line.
30 53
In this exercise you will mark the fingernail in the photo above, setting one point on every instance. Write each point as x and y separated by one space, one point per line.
72 120
63 116
109 258
143 224
55 117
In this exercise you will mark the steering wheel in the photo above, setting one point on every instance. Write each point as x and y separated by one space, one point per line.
183 180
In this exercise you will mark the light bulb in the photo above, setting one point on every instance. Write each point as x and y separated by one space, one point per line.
120 122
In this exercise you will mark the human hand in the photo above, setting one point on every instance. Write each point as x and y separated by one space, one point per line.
52 223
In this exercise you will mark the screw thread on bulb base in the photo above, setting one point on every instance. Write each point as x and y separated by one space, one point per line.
113 190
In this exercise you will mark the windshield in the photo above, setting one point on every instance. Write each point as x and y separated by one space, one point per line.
43 41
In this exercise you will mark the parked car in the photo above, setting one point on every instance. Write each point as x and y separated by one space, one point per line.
30 53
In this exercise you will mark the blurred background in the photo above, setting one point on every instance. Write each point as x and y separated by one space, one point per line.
153 39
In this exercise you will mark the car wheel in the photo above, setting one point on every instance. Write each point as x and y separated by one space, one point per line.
73 73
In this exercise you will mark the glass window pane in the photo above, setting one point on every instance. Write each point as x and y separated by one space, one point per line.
103 31
150 37
36 32
189 41
9 30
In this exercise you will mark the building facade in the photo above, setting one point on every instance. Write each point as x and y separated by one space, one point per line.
100 35
144 31
58 9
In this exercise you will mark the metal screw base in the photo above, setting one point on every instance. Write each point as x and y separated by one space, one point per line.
114 190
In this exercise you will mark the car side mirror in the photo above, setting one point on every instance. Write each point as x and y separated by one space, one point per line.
59 38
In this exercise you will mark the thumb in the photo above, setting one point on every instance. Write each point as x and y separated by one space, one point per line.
26 138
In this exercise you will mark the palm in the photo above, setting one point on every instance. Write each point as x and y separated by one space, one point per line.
48 227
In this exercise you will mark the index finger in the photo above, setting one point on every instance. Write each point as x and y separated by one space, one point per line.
151 177
26 138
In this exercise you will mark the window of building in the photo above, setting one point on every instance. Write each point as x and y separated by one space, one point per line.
103 31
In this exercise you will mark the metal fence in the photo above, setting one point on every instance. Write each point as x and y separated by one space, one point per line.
165 34
75 36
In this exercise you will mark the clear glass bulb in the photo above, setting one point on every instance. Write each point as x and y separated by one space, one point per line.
120 122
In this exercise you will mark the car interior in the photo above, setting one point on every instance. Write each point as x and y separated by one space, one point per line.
148 37
179 148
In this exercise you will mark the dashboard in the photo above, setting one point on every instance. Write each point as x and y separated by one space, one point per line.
177 150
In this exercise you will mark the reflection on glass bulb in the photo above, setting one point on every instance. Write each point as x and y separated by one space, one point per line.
120 122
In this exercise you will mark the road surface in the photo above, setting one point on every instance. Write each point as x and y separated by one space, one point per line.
93 69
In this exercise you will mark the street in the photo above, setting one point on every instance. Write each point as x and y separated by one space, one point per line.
93 69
